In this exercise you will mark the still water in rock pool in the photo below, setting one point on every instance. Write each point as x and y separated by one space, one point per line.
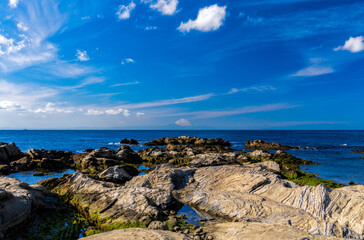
30 179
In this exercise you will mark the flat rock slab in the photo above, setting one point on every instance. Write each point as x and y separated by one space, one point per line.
138 234
256 194
259 231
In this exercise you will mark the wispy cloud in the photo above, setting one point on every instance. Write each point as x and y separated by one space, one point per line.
258 88
314 70
41 19
167 102
125 84
208 19
238 111
64 69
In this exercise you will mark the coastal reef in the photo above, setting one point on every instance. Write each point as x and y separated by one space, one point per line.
259 194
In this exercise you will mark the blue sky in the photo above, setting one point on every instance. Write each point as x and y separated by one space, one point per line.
181 64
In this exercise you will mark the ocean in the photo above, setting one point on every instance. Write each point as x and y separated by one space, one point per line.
331 149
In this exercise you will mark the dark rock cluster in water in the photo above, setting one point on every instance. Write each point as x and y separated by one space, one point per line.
244 195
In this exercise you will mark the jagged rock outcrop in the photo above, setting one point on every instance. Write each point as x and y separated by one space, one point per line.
255 193
118 174
263 145
138 234
186 140
100 159
9 152
108 204
40 159
129 141
18 203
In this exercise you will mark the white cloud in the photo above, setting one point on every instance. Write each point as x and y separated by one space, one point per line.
126 113
139 114
166 7
353 45
85 18
149 28
127 60
314 70
52 108
13 3
183 122
94 112
125 10
22 27
208 19
82 56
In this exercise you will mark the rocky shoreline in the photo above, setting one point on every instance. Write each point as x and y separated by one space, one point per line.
259 194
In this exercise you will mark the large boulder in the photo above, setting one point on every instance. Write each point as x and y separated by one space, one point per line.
138 234
126 154
118 174
108 204
9 152
101 159
18 203
103 152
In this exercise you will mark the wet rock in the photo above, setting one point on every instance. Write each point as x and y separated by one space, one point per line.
138 234
9 152
89 150
158 225
263 145
18 203
129 141
118 174
357 151
108 204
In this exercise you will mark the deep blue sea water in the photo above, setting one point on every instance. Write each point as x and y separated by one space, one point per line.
330 148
